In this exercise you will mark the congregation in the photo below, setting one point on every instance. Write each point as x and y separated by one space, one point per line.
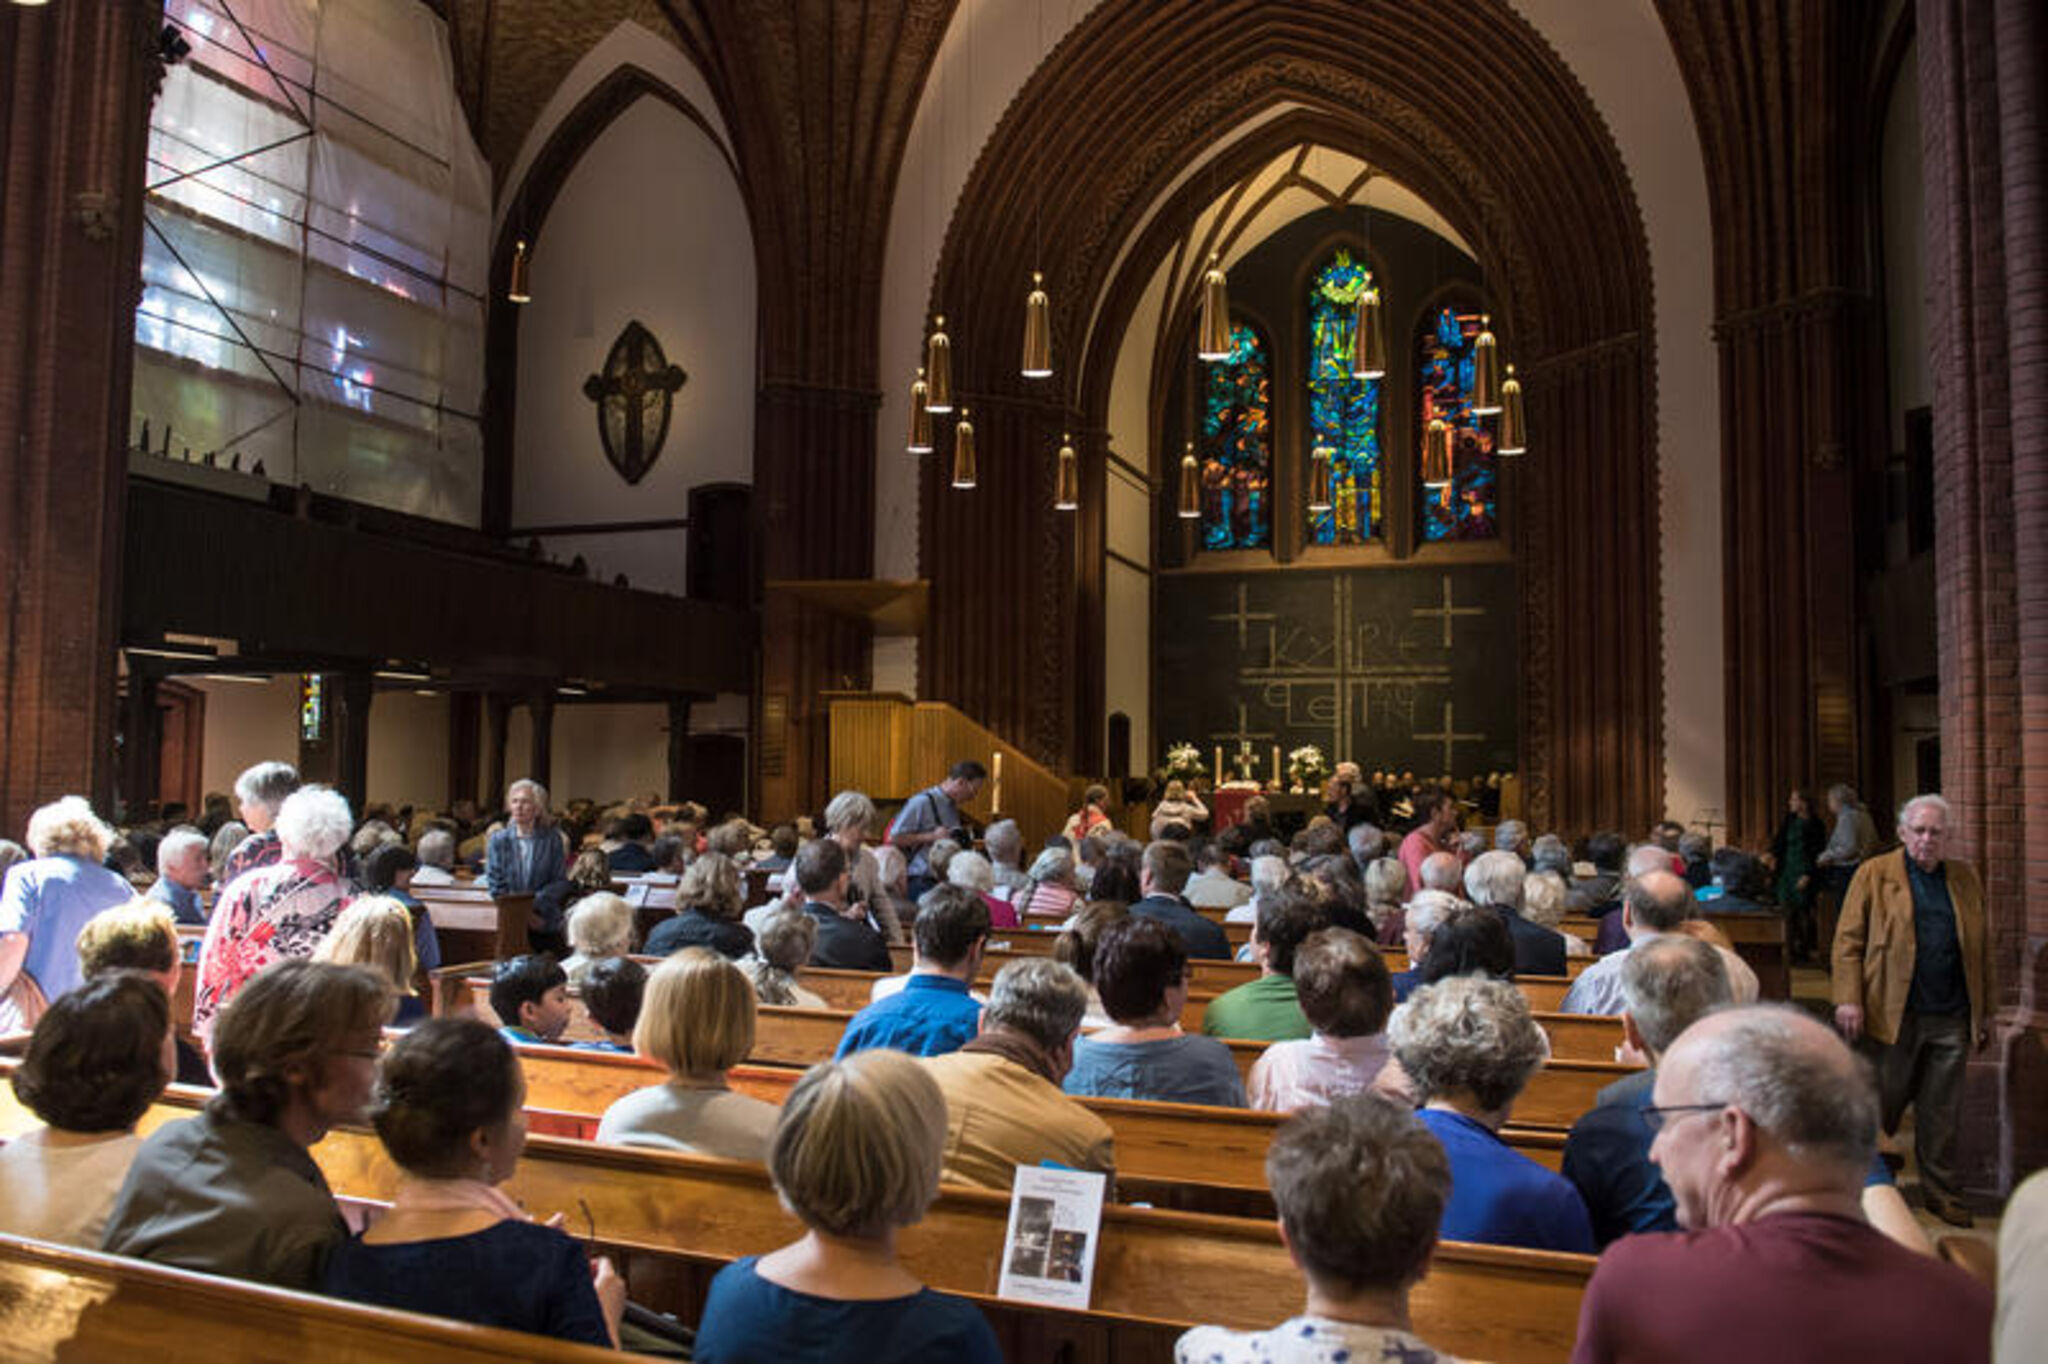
1382 996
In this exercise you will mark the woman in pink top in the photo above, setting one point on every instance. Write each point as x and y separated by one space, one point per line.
1054 892
978 874
1346 993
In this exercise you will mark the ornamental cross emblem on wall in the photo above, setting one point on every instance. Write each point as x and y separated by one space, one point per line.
635 396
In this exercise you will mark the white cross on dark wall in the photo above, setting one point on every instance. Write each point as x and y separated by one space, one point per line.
1447 611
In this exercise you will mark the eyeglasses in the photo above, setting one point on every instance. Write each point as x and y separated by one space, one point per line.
1653 1114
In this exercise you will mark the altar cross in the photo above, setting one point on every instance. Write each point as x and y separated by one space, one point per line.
1447 611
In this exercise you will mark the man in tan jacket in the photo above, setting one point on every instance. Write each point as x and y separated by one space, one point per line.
1913 976
1004 1105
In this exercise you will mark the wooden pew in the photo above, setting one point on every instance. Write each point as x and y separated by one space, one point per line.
672 1219
475 926
60 1303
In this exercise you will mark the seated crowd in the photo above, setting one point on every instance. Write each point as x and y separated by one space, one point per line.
1741 1161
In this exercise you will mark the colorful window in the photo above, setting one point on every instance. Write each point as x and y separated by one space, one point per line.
1236 447
1465 508
1343 412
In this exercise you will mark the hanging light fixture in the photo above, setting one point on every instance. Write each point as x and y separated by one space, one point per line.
1485 370
1190 485
1436 454
1037 331
920 416
1212 338
1514 425
965 467
1066 483
521 288
938 368
1319 499
1369 336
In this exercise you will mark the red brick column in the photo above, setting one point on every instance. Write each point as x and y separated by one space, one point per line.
1984 101
74 114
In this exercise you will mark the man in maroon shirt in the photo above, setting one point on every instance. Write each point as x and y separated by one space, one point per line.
1766 1127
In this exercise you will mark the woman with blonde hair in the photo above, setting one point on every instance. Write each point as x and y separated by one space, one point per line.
709 900
856 1156
46 901
1177 805
377 931
600 926
697 1020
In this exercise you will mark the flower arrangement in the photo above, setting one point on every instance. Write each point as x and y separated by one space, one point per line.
1183 762
1307 768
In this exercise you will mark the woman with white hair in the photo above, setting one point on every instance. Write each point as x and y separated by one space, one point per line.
976 873
1054 890
44 903
276 912
600 926
1419 920
527 853
1543 895
848 818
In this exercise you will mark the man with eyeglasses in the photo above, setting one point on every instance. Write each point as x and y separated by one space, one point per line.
1913 983
1766 1125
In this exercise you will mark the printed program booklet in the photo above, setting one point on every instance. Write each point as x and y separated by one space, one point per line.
1055 1222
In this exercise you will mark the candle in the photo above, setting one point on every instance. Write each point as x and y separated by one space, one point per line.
1219 765
1277 773
995 792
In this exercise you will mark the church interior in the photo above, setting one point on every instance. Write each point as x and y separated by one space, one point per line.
1616 415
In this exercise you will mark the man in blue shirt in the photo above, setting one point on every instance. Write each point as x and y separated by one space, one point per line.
182 869
1668 983
1162 875
933 814
932 1013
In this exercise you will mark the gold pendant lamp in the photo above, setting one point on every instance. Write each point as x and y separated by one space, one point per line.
1369 339
1485 370
521 288
920 416
1066 485
1436 454
1514 424
1190 485
1212 337
1319 499
938 368
1037 331
965 467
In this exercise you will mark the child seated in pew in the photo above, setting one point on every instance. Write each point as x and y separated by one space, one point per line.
530 996
612 993
698 1022
377 931
97 1060
234 1191
1360 1187
781 947
1141 971
856 1156
448 1109
142 936
1346 993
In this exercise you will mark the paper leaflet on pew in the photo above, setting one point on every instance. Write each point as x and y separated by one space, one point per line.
1055 1222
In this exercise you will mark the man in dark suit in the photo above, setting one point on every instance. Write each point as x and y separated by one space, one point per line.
1162 875
846 940
1495 879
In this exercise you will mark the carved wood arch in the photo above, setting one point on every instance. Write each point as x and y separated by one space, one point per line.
1481 118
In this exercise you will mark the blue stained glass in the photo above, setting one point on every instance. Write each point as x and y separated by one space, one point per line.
1236 447
1467 509
1343 412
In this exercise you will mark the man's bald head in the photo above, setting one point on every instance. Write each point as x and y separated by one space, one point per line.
1442 871
1647 858
1657 902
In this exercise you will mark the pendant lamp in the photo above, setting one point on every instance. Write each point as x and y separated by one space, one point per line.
1485 370
1066 485
920 416
1212 337
938 368
1319 479
1369 338
521 288
1514 424
1190 485
965 467
1037 331
1436 454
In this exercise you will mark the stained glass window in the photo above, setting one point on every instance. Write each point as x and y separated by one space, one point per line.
312 707
1466 508
1343 412
1237 445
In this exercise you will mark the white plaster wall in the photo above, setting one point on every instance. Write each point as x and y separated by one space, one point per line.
604 752
649 226
1619 52
246 723
409 749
